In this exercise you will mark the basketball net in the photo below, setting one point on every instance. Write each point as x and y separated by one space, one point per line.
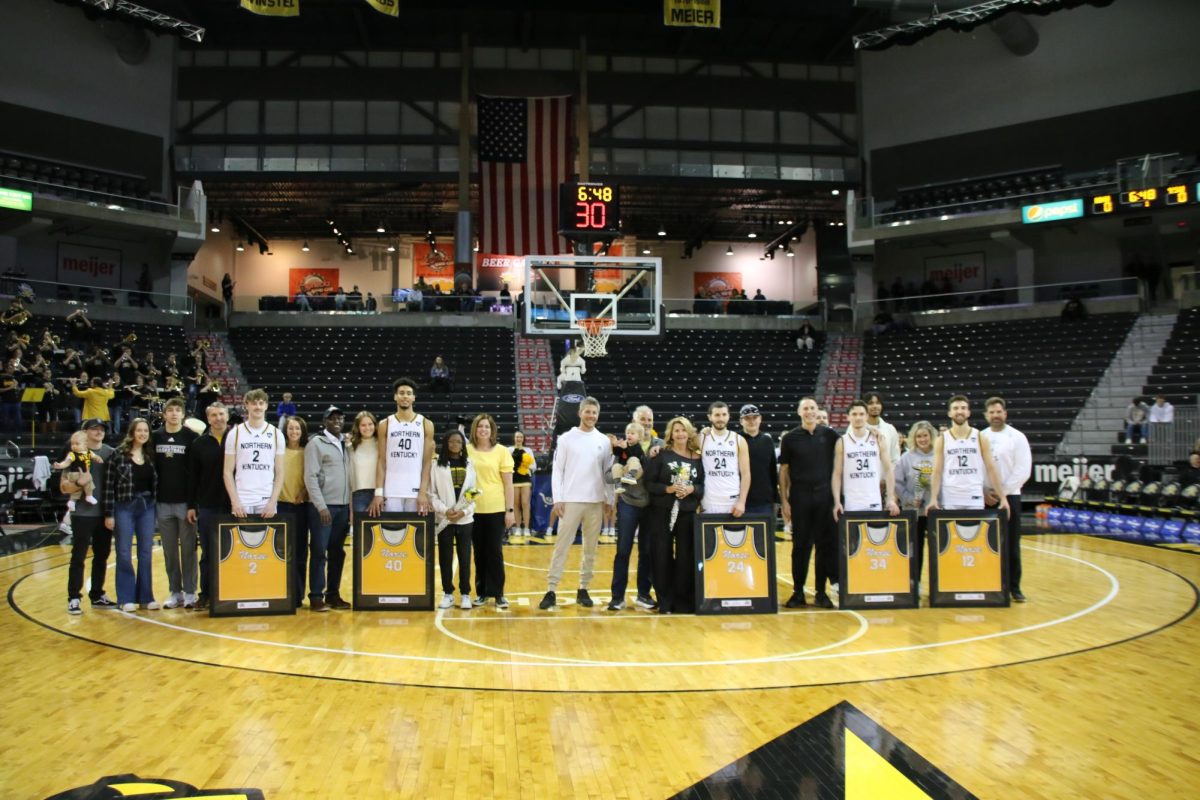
595 335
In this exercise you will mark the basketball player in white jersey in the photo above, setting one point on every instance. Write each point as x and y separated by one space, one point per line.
254 460
961 460
860 462
406 444
726 462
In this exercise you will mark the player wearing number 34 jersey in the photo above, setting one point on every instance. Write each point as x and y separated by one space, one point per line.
860 465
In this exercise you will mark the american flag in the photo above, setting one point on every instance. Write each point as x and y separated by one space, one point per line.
524 154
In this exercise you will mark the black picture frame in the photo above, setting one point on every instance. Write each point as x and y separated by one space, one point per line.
960 596
423 538
761 527
221 604
907 596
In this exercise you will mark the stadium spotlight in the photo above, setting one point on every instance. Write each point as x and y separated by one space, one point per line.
729 250
391 248
380 228
645 251
215 228
835 192
240 248
336 232
789 253
661 230
751 235
305 248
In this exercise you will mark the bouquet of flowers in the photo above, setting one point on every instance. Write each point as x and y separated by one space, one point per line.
467 496
681 475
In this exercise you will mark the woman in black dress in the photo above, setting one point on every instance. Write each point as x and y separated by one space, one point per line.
675 480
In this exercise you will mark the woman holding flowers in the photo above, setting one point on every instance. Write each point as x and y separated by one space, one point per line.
453 498
675 480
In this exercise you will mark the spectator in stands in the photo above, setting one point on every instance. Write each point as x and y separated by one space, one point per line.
327 479
145 286
947 288
285 409
10 402
805 337
572 367
227 284
196 381
996 295
130 484
758 295
881 296
98 364
1074 310
897 292
52 402
372 303
302 303
1136 416
339 299
505 295
698 303
1162 411
439 376
1191 472
354 299
95 399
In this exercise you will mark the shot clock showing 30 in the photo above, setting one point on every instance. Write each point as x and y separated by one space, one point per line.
589 210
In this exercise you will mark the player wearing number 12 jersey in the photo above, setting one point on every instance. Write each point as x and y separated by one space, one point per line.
860 464
961 459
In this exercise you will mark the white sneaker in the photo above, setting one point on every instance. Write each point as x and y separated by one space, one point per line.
70 505
466 604
129 608
189 600
174 601
447 601
73 607
629 480
91 500
152 606
620 489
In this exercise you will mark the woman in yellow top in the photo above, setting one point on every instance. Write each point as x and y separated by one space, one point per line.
493 508
95 399
293 503
524 466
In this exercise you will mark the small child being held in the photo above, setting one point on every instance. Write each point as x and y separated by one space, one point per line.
78 466
627 465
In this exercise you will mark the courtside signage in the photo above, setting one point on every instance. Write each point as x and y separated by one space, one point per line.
16 199
1052 212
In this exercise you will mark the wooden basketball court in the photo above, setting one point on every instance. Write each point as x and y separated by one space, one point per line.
1089 690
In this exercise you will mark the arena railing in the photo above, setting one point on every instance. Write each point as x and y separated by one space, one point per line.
920 305
73 294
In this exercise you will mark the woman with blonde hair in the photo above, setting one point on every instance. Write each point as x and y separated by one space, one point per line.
914 475
493 509
524 465
675 480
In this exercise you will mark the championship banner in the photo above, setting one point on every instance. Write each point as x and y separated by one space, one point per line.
389 7
692 13
968 559
253 559
393 562
874 568
272 8
735 565
435 265
316 281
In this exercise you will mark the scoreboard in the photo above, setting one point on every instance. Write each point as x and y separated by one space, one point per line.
589 210
1154 197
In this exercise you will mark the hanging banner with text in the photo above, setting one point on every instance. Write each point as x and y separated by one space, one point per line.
494 270
692 13
717 285
317 281
435 265
965 271
85 265
389 7
272 8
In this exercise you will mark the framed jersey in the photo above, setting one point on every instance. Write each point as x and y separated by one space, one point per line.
393 562
875 560
968 561
735 569
252 575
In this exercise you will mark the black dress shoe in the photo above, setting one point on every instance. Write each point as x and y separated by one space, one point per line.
797 600
1018 596
822 601
548 602
583 598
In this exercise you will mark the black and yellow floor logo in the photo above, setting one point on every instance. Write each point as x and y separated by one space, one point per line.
840 753
114 787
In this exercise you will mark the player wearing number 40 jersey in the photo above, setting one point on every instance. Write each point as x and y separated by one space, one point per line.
860 464
405 444
961 460
254 461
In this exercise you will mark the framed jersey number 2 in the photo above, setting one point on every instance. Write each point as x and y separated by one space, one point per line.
968 559
735 570
393 562
875 560
253 566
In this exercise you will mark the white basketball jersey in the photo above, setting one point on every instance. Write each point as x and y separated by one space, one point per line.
405 457
722 481
962 471
255 451
861 472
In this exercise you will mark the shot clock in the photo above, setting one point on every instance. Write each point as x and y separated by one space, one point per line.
589 210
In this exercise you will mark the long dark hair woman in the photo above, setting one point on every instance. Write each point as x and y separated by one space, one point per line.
453 493
130 486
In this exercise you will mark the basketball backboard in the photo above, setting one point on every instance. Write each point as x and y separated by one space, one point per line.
560 291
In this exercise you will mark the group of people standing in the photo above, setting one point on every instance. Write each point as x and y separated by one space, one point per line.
178 480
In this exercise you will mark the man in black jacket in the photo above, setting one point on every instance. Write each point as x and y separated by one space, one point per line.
206 490
764 489
178 533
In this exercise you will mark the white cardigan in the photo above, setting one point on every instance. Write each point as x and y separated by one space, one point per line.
442 495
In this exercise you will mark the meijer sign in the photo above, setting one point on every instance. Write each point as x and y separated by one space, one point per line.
85 265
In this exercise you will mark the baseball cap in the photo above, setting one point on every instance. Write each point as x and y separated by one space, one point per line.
329 412
749 410
94 422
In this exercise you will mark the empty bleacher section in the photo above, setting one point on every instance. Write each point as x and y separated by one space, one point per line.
1044 368
689 369
67 181
1177 373
353 368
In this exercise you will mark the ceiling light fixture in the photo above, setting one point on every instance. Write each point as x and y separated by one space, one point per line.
662 231
729 250
752 235
240 248
304 247
380 228
391 248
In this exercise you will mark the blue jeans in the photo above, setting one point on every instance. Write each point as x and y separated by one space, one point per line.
326 541
627 525
135 518
1134 428
360 500
298 513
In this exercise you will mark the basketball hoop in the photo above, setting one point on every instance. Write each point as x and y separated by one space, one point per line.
595 335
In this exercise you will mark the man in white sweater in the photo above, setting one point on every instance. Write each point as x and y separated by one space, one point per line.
889 437
581 460
1014 462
